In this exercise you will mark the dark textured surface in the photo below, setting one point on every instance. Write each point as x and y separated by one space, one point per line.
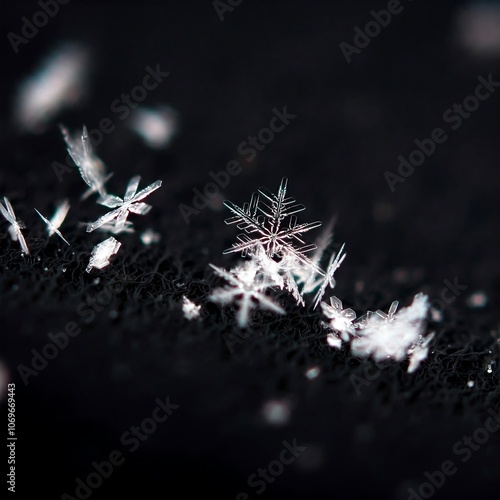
352 122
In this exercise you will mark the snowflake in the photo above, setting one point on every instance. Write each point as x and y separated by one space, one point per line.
90 166
273 221
101 254
246 287
15 225
394 335
130 203
57 219
340 320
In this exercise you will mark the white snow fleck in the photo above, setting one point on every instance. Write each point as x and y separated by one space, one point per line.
313 372
190 309
157 126
150 236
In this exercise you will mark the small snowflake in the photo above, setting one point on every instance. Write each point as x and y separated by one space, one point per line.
340 320
130 203
90 166
246 288
56 220
15 225
100 257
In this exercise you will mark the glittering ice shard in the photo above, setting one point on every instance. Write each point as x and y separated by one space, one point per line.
102 253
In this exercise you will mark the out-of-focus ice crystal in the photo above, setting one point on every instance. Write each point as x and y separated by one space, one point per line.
149 237
59 83
190 309
156 126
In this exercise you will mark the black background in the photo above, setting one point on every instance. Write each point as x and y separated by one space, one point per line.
353 120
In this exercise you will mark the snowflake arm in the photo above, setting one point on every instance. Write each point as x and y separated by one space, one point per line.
335 262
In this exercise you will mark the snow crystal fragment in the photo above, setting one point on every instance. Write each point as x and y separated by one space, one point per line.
190 309
58 84
15 225
102 253
130 203
90 166
245 288
56 221
156 126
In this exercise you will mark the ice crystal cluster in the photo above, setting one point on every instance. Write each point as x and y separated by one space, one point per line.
277 257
